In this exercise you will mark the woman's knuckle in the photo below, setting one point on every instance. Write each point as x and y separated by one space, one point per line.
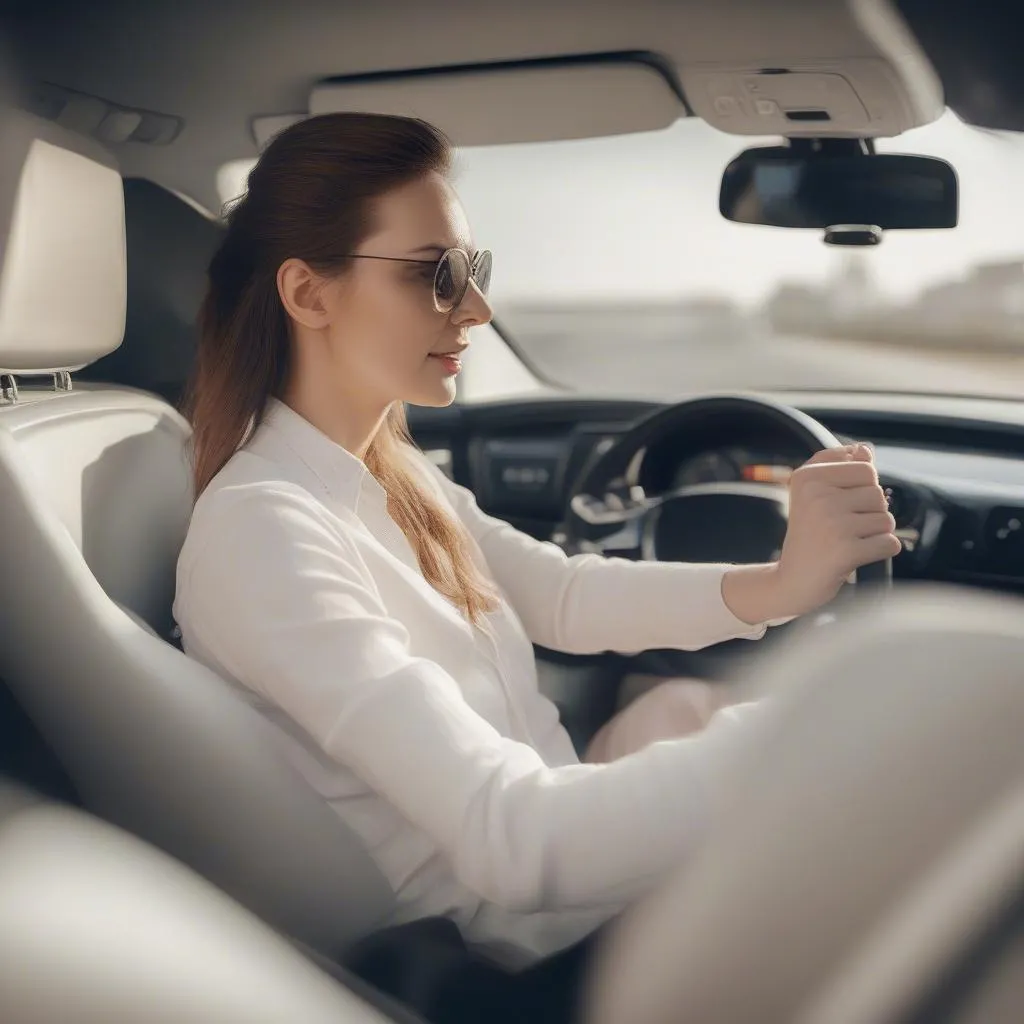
801 476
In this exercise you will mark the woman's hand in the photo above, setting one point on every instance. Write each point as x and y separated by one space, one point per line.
839 520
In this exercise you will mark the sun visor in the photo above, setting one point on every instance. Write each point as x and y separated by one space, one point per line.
531 102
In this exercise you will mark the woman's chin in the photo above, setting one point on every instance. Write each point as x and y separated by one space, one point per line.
438 396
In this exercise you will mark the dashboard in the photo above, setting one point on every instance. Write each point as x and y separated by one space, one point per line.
960 460
953 467
732 464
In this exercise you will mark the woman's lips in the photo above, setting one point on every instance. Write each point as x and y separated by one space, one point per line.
451 363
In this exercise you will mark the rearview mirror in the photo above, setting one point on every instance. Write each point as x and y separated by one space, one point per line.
788 188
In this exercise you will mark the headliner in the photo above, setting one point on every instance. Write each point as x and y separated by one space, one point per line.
217 65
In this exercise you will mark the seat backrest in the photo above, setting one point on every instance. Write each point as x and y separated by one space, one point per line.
873 831
94 504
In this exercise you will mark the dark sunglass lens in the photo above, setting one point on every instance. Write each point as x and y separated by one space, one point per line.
451 280
482 270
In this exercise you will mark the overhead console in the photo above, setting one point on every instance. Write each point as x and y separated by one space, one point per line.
883 88
859 98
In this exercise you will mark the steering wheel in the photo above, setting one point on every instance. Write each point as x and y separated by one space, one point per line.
715 522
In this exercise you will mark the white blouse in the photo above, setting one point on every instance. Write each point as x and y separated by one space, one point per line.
428 735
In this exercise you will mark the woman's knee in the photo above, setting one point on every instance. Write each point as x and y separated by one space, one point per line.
669 710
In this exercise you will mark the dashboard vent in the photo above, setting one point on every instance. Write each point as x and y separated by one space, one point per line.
522 476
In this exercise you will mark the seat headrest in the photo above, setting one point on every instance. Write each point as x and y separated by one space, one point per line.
62 265
170 245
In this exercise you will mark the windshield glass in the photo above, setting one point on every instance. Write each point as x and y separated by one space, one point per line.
615 273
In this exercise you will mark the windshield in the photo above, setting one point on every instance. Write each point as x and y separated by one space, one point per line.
615 273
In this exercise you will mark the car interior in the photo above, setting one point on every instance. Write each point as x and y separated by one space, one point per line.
161 861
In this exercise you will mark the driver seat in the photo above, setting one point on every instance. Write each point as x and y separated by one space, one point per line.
94 504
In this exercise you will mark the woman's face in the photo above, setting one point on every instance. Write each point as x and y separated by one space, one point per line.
382 339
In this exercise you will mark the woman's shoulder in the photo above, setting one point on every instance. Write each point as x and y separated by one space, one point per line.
246 483
251 498
277 508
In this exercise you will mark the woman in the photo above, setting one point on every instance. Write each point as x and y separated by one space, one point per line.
379 620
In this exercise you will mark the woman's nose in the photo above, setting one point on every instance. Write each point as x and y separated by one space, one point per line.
474 310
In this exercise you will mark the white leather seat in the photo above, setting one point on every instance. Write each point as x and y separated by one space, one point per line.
875 832
94 504
96 926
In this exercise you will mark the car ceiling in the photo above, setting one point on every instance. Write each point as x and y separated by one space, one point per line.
218 65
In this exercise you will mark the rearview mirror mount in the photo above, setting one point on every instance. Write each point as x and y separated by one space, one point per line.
841 187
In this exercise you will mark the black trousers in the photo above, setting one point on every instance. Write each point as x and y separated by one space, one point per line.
427 967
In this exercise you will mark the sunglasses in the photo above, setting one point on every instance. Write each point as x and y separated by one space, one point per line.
452 274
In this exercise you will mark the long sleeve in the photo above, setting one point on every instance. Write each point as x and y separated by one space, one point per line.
280 592
585 604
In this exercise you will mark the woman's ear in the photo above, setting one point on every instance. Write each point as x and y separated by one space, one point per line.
300 288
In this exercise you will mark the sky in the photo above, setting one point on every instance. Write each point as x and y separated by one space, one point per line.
636 217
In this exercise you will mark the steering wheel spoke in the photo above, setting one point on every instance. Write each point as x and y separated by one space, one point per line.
595 518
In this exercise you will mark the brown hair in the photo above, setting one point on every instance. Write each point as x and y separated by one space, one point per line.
310 196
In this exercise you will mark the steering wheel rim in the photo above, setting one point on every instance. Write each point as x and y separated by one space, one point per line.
805 431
